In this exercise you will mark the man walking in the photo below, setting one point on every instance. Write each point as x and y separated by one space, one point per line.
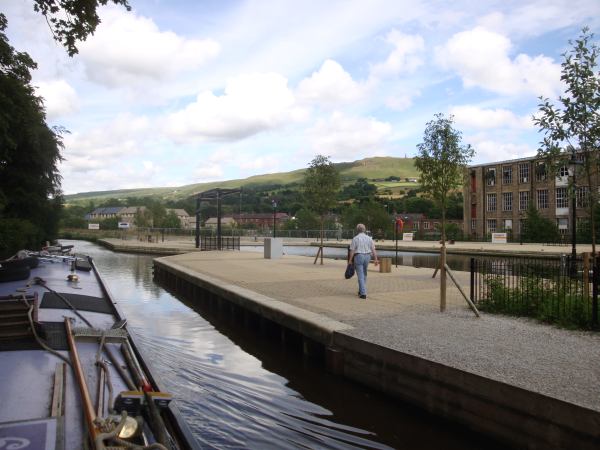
361 248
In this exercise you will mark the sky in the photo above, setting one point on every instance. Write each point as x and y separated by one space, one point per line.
176 92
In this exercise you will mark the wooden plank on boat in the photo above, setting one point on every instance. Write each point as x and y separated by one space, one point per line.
58 395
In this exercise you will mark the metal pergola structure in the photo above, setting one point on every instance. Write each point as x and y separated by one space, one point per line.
213 194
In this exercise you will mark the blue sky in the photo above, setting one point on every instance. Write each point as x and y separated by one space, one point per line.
180 92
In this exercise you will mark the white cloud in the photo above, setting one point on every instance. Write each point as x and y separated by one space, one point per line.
268 164
343 137
103 145
330 86
405 58
60 99
487 149
536 17
250 104
127 49
476 117
481 58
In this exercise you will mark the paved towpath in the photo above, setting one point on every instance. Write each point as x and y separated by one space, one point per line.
402 313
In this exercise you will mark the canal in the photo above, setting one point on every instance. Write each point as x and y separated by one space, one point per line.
238 390
414 259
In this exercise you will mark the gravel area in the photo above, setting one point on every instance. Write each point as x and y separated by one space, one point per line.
559 363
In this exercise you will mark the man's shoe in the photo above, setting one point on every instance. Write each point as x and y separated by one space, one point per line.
363 296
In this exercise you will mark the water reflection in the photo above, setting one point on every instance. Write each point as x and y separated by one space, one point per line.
237 390
414 259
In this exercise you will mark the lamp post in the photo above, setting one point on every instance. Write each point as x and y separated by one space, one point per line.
274 203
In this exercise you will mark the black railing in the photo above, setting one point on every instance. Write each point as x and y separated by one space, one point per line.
225 243
559 291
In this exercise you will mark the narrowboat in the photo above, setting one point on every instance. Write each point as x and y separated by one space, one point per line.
72 376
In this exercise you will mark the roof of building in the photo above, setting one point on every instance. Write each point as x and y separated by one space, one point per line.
179 212
279 215
224 220
132 209
107 210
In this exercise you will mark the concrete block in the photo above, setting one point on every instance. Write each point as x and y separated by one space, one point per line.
273 248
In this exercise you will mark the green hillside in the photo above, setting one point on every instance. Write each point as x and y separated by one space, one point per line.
370 168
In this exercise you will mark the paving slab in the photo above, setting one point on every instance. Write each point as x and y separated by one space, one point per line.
402 313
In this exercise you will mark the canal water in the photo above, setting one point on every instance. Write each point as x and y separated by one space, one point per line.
238 390
414 259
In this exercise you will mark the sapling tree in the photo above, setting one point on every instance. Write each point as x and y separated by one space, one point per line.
321 187
442 162
572 128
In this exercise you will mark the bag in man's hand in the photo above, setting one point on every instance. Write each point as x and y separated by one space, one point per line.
349 271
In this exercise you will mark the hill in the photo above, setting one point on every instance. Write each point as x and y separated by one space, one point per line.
373 169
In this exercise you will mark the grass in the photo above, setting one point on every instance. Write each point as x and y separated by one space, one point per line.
369 168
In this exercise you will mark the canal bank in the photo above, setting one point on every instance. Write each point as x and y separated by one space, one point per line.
179 246
529 385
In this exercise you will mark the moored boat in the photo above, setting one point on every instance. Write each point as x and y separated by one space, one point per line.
72 375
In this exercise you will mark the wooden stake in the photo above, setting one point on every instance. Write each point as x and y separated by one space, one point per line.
586 274
471 304
443 278
320 251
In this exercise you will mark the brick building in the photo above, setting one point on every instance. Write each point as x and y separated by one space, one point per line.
497 196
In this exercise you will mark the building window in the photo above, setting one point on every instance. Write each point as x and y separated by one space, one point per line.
582 196
562 224
473 181
523 200
506 174
473 224
491 202
540 171
426 225
415 225
562 199
473 211
491 225
524 173
542 199
563 171
490 176
507 224
507 201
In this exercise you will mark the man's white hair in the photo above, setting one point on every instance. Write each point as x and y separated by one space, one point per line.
361 228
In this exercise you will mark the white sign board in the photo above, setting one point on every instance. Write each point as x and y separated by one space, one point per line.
123 224
93 226
407 236
499 238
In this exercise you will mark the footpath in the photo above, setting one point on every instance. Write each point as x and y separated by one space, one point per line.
528 384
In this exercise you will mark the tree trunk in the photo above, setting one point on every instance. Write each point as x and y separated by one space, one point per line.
443 264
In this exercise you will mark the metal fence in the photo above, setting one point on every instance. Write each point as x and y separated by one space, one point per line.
561 291
225 243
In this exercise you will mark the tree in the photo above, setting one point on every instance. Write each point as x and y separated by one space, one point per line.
372 214
321 186
361 189
306 220
573 129
537 228
29 154
171 220
442 162
72 20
